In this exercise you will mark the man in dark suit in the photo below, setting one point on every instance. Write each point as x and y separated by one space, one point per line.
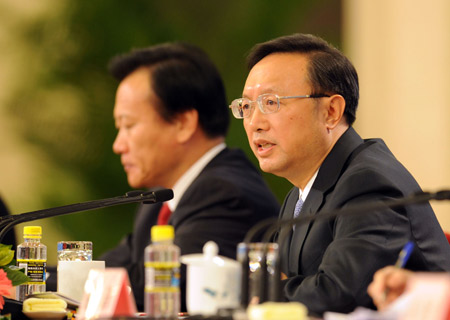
172 117
299 103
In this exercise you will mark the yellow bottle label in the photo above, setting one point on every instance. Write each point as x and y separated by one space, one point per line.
34 269
166 279
162 264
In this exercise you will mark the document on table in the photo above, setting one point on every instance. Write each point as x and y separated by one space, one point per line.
427 297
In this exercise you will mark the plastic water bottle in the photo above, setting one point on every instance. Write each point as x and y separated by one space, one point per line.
162 274
32 256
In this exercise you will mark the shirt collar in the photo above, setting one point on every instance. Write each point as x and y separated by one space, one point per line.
304 193
189 176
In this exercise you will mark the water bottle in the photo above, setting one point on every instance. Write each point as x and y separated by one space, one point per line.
32 256
162 274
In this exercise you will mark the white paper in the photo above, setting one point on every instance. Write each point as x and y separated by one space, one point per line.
426 297
72 276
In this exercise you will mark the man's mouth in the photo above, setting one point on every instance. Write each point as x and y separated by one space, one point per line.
127 166
265 145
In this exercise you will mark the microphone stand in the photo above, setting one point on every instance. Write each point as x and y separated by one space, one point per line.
273 226
159 195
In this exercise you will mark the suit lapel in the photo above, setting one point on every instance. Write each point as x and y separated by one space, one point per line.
310 207
147 216
186 206
329 173
284 238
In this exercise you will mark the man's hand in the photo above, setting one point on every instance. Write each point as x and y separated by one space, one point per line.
387 285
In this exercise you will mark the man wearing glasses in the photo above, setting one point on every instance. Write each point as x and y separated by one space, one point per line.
298 106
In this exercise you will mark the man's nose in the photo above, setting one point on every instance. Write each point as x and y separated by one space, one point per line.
256 120
119 145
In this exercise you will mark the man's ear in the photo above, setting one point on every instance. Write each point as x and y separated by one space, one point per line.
186 125
335 111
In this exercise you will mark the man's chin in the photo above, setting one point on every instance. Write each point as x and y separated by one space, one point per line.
135 184
265 167
270 167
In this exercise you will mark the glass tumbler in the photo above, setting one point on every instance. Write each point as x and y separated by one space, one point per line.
74 251
255 256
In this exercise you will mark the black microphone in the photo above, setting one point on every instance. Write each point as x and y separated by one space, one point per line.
276 225
153 196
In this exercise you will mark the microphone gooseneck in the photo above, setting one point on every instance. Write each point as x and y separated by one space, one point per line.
7 222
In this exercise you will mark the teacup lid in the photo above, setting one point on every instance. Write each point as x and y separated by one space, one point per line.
209 257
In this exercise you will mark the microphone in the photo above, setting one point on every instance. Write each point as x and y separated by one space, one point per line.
153 196
273 225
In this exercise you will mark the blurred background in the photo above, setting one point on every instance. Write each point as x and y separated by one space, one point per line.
56 96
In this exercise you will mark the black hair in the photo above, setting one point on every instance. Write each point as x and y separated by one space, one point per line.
184 78
329 71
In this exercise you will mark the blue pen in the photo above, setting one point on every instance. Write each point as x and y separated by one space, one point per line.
404 254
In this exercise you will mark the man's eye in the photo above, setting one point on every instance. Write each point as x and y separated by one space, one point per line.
245 106
127 125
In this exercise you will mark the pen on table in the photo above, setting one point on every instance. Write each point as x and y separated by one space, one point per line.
402 259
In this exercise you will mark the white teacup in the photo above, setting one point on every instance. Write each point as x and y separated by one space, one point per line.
213 282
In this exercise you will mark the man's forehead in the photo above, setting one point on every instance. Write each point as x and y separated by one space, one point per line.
276 72
260 87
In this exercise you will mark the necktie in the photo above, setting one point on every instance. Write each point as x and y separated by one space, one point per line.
164 214
298 208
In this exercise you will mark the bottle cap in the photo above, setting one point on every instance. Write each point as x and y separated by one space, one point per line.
162 233
34 232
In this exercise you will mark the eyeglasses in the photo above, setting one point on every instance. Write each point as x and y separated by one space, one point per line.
267 103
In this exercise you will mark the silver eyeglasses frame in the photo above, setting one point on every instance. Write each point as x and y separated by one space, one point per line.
243 107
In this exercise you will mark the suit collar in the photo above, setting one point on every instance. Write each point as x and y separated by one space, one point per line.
334 163
225 157
192 173
331 169
329 172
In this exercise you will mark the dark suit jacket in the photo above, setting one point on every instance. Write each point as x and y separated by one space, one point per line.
330 263
224 201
